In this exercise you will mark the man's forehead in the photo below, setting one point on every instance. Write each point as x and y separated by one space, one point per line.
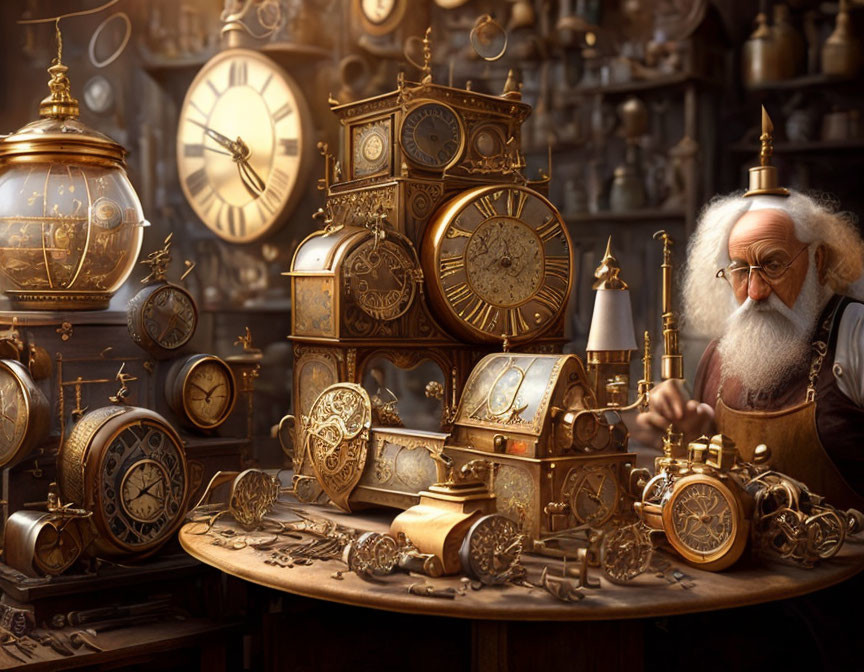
763 225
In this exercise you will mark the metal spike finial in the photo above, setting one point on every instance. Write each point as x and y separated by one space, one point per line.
763 178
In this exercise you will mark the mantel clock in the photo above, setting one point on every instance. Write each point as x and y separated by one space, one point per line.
243 145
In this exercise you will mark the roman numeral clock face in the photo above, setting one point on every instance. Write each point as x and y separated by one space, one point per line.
240 145
498 263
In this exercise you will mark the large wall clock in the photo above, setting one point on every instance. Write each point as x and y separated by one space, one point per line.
243 145
497 262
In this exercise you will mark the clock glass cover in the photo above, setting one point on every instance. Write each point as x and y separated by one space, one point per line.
240 144
431 136
498 263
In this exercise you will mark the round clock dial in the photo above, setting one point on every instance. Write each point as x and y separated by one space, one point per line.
381 279
23 412
162 318
202 390
498 263
380 17
127 465
431 136
592 493
58 545
704 522
371 153
242 145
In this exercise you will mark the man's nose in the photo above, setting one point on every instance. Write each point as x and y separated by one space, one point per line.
757 288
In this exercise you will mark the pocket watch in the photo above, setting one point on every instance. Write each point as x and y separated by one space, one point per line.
497 262
162 317
704 520
24 413
432 136
201 390
243 145
126 465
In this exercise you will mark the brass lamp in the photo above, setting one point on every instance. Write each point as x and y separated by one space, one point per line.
70 220
611 338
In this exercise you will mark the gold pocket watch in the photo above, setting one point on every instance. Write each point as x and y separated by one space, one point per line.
24 413
127 466
201 390
162 317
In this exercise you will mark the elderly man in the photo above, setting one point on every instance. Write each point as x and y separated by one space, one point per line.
770 279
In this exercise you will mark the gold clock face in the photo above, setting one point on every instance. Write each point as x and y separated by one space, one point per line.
14 413
381 279
209 392
371 143
703 520
241 145
143 491
170 317
142 485
592 493
497 262
57 547
432 136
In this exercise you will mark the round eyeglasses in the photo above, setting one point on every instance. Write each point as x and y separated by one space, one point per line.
772 269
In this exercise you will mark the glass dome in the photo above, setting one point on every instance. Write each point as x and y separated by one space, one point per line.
70 221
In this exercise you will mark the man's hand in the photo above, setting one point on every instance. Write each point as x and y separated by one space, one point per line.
669 403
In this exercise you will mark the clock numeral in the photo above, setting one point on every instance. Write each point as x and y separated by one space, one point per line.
515 322
282 112
196 181
264 209
266 83
193 151
451 265
216 92
549 229
516 203
455 232
236 221
486 207
558 267
551 297
195 107
458 293
276 188
238 73
479 314
289 146
207 201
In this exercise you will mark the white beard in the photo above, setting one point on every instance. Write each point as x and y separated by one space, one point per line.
766 342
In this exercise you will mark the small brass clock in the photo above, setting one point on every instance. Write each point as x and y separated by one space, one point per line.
162 318
42 543
202 390
497 262
23 412
380 17
243 145
432 136
371 149
127 465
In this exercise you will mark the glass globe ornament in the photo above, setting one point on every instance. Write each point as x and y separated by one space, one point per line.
71 224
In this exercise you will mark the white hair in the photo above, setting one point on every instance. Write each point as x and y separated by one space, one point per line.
709 301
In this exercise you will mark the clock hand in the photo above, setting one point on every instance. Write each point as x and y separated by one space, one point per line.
213 389
251 180
199 387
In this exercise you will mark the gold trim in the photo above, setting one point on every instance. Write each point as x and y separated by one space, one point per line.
416 105
176 386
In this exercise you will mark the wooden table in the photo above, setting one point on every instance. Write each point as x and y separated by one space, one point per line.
497 612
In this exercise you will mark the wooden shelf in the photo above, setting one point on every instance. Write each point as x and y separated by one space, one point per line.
805 82
814 147
626 217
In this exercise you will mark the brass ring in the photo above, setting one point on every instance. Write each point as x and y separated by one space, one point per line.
486 21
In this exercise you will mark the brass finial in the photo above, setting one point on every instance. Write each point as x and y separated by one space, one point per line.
763 178
158 261
245 341
608 270
60 104
512 87
672 362
427 57
122 377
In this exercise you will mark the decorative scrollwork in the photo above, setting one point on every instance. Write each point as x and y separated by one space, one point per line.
625 553
337 436
252 497
492 550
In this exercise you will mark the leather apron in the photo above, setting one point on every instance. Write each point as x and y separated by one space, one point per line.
793 438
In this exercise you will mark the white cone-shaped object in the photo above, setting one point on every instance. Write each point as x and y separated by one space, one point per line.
612 322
